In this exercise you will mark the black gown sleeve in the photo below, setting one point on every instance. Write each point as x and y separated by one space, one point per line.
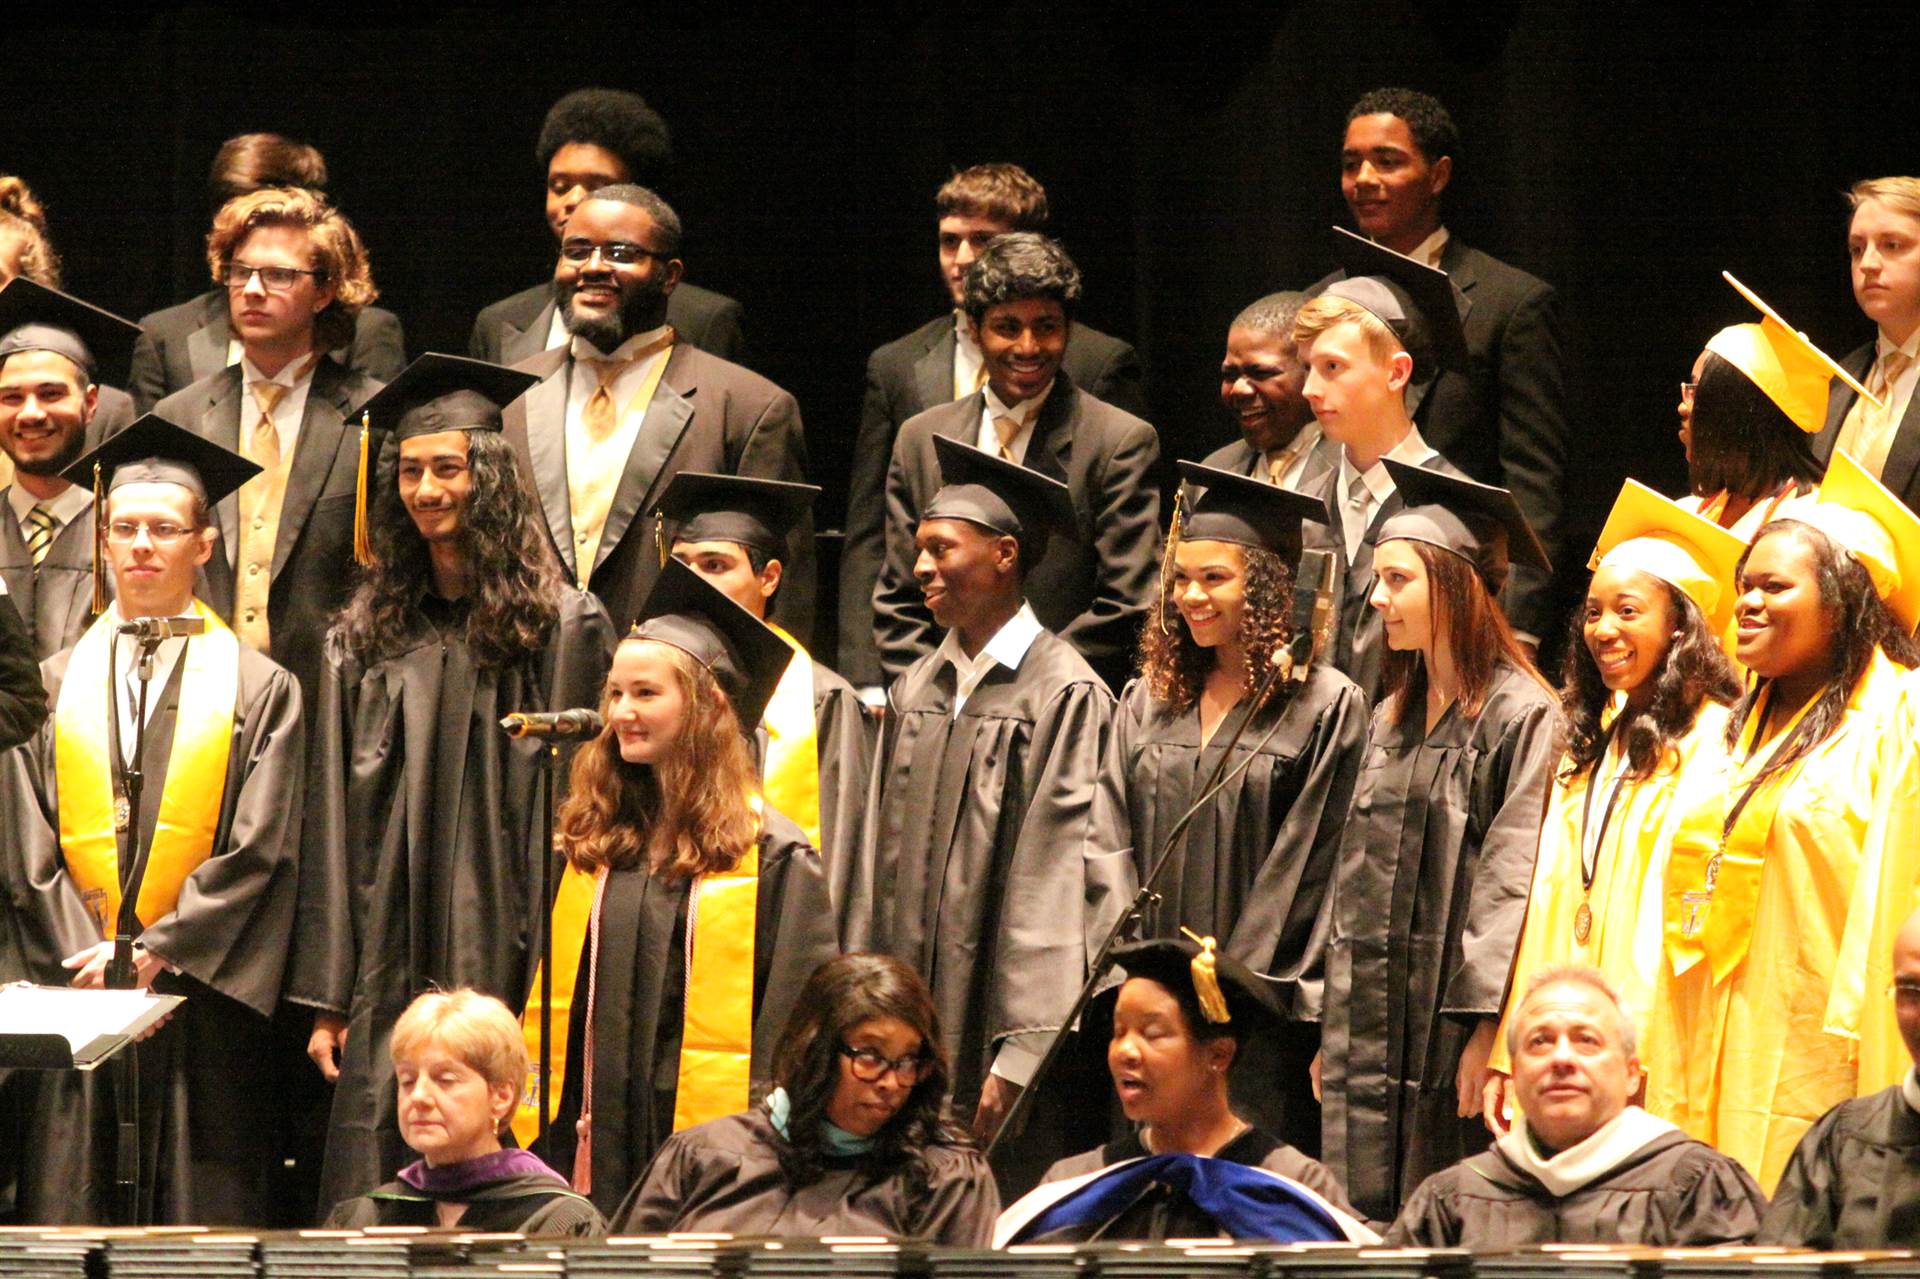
1805 1211
23 698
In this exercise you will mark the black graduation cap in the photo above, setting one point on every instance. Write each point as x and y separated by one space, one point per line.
1229 993
34 317
154 450
687 611
1478 522
736 508
446 393
1000 496
1416 301
1227 507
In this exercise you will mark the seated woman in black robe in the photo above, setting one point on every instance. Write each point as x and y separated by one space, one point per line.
855 1140
460 1061
1178 1025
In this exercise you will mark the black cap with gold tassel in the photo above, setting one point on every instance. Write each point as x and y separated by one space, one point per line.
1229 994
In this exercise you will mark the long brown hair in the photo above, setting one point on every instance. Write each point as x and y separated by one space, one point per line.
1176 667
691 813
1476 632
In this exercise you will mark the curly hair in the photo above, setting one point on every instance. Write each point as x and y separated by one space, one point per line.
614 120
842 993
1477 635
1175 667
691 814
1430 123
1742 442
1693 671
1005 192
515 585
337 253
1862 625
1018 266
25 249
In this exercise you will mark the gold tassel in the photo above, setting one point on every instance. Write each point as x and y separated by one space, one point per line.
660 535
1166 559
362 534
1206 980
99 537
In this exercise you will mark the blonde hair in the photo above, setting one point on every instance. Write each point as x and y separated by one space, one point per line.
1323 313
337 253
1900 194
477 1029
24 247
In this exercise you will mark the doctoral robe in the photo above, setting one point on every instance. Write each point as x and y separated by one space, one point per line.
205 1108
423 846
1740 1030
1428 902
1173 1216
1627 850
638 1003
1673 1192
1854 1180
725 1176
503 1193
1254 868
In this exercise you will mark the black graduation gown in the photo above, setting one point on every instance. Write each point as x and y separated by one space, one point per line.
520 1203
987 864
638 1003
1428 900
55 600
1674 1192
1171 1215
206 1109
1854 1180
725 1176
421 864
1254 867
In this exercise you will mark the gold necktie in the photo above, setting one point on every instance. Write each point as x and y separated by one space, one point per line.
1008 429
263 444
1867 433
599 416
40 529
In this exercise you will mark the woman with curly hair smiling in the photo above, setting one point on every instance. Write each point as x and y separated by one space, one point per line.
1253 867
1646 691
854 1140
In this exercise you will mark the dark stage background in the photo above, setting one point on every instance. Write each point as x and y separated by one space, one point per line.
1624 152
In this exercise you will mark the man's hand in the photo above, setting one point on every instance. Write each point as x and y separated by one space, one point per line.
1493 1102
328 1041
997 1096
1472 1080
92 965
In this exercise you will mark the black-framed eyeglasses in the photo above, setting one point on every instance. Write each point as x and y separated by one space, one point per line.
868 1066
618 252
276 279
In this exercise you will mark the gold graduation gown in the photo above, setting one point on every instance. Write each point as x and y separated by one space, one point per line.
1623 939
1749 1063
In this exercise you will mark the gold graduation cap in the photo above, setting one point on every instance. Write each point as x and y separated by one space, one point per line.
1779 359
1875 527
1654 534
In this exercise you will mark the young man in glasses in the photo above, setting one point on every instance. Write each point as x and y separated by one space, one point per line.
626 404
295 275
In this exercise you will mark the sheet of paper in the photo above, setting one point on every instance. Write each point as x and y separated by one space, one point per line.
78 1016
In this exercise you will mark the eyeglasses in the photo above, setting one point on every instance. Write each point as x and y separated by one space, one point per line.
276 279
868 1066
124 532
618 252
1686 391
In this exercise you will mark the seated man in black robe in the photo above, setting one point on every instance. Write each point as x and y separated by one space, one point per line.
1854 1180
1581 1165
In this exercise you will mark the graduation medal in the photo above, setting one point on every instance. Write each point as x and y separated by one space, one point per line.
122 813
1583 923
1590 865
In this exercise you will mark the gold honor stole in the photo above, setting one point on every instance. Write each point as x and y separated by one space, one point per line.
196 779
572 912
1713 871
791 778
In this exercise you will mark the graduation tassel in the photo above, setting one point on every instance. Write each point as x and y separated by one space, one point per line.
99 535
362 535
1206 980
660 535
1166 560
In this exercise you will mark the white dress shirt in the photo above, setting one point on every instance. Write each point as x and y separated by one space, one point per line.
1900 394
1024 413
1428 251
967 360
1378 488
297 377
71 503
1007 648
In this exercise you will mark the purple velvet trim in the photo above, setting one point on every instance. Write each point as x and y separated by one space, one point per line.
455 1182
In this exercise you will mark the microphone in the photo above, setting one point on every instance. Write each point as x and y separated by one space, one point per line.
152 630
563 726
1312 615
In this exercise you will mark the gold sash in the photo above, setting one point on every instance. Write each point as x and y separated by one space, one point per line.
716 1043
1713 873
196 771
572 909
791 775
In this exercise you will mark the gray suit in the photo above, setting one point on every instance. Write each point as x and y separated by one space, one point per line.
1902 471
1241 458
515 328
185 343
706 415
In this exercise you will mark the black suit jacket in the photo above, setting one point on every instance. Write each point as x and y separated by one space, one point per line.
1242 459
313 568
706 415
515 328
1095 583
910 375
1359 646
1902 471
183 344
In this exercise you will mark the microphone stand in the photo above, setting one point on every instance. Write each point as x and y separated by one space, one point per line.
552 753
